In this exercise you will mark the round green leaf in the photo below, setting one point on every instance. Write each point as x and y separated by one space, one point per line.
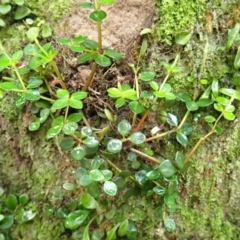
74 117
75 219
141 176
21 12
146 76
98 15
155 174
11 202
33 126
86 131
76 48
170 201
120 182
186 129
229 116
107 174
78 153
5 8
69 128
91 142
7 222
83 177
210 119
218 107
32 95
97 162
67 143
169 224
60 103
53 131
132 231
136 107
64 41
114 146
110 188
204 102
46 31
28 215
137 138
34 82
191 106
102 60
124 127
69 186
23 199
89 202
183 97
182 138
79 95
75 103
183 38
62 212
167 168
223 101
159 190
32 33
96 175
62 93
2 23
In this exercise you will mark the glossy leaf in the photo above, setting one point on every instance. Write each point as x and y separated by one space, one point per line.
229 116
23 199
231 92
86 131
218 107
154 174
69 186
169 224
75 219
78 153
53 131
132 231
5 8
124 127
215 87
136 107
172 119
98 15
184 97
110 188
62 93
69 128
96 175
89 202
192 106
28 215
97 162
159 190
167 168
75 117
186 129
75 103
32 95
91 142
114 146
34 82
137 138
204 102
33 126
141 176
46 31
83 177
182 138
85 57
107 174
179 159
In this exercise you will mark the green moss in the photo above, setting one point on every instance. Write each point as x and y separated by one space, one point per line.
177 16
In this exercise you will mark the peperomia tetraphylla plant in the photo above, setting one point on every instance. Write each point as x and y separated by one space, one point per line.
32 75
